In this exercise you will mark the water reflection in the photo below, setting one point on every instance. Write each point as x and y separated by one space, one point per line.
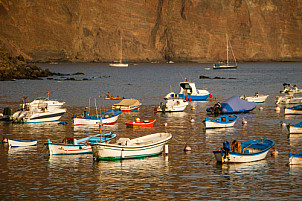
295 139
252 168
13 151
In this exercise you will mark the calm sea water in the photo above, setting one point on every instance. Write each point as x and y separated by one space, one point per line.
30 174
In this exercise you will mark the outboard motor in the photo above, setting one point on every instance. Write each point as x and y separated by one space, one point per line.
216 109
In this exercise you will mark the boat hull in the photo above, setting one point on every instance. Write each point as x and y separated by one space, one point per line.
288 111
119 65
102 151
140 124
295 129
239 158
87 121
22 143
224 67
210 124
295 159
194 97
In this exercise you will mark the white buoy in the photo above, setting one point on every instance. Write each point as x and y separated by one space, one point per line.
187 148
165 124
192 120
192 108
260 108
277 109
283 124
244 121
166 149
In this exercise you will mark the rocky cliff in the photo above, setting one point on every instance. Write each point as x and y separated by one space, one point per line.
152 30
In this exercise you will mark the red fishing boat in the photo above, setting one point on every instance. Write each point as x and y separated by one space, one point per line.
137 123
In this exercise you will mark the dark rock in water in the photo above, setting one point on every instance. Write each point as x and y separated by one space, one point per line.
78 73
218 78
204 77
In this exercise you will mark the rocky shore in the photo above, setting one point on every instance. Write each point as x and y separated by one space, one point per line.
13 68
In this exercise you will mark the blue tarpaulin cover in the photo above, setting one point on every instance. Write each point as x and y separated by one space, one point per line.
236 105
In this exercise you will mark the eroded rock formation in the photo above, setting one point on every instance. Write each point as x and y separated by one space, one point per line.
152 30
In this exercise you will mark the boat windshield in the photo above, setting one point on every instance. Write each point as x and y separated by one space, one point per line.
185 86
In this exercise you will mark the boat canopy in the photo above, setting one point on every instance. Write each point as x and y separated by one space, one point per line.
235 105
128 102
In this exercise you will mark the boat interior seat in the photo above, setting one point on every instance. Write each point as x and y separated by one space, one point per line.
123 141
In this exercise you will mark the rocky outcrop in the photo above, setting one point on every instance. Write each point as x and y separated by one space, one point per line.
12 68
156 30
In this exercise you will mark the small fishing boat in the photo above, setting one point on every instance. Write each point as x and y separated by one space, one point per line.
113 98
256 98
287 89
173 103
295 128
71 145
225 66
124 148
288 99
252 150
138 124
108 117
189 92
295 158
297 110
221 122
22 142
39 111
127 105
232 105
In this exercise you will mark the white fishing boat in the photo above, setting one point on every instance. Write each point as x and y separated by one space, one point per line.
38 111
22 142
295 128
127 105
221 122
296 110
124 148
257 98
252 150
173 103
71 145
288 99
287 89
120 62
225 66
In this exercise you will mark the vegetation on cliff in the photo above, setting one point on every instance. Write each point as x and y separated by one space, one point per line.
17 68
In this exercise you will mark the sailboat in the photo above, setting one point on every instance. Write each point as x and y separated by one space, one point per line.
227 65
120 63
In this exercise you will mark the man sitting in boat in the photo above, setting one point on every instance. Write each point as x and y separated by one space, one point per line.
226 148
108 95
236 147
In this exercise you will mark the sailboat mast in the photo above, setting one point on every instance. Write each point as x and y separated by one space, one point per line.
121 49
227 49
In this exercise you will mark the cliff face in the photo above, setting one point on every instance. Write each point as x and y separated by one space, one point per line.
152 30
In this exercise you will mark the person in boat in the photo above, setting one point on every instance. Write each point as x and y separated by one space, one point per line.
226 148
108 95
236 147
257 94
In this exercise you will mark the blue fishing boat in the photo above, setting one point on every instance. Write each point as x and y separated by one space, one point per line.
295 158
293 110
252 150
221 122
71 145
108 117
295 128
233 105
